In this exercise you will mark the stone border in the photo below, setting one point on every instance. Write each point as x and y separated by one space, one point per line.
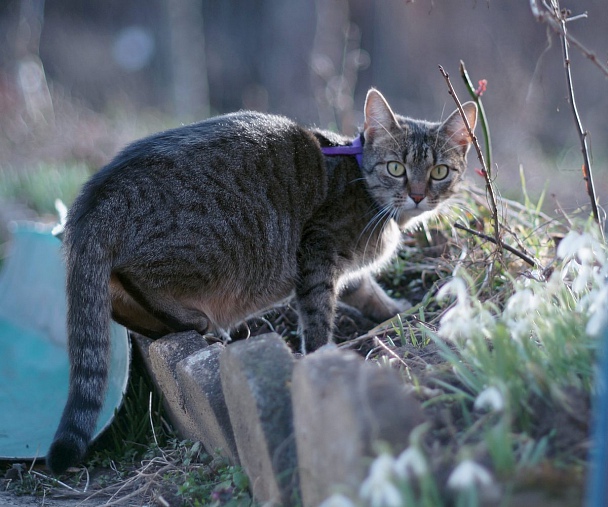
302 429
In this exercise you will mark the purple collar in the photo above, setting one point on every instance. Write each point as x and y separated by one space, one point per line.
355 148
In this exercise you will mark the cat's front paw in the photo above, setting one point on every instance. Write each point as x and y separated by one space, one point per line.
371 300
388 307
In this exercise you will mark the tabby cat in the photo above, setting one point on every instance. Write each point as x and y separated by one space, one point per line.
200 227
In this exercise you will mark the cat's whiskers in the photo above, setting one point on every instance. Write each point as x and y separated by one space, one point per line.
437 129
436 139
389 213
377 219
387 131
460 204
393 215
378 215
447 141
457 147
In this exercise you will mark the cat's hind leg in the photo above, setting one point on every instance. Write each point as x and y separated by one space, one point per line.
164 308
366 295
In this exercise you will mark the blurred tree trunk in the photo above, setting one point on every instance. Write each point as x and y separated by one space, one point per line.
336 60
30 75
326 58
190 88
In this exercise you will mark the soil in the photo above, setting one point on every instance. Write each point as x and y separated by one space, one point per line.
9 499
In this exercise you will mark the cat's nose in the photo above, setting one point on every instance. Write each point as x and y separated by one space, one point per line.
417 197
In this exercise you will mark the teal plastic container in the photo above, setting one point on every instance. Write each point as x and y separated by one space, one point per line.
34 366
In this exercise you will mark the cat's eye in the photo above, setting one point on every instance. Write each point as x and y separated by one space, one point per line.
396 169
440 172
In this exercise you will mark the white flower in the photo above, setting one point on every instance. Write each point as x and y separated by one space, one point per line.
337 500
467 317
521 313
411 463
523 302
598 310
455 287
379 488
584 247
467 474
584 256
485 321
570 244
458 322
490 399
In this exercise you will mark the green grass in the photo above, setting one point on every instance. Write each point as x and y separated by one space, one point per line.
39 187
517 345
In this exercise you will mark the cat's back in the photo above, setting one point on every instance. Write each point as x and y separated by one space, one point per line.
245 132
245 156
230 139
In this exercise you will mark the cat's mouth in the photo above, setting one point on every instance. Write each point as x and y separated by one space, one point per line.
406 209
412 204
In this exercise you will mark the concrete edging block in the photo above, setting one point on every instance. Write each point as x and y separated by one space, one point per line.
343 407
199 377
164 354
256 379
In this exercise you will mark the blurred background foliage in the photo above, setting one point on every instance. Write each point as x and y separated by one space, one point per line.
79 79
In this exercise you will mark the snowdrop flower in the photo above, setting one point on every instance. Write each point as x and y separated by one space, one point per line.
520 312
485 321
598 310
455 287
379 488
584 255
585 275
522 303
457 323
520 328
411 463
569 245
467 474
337 500
490 399
582 246
536 275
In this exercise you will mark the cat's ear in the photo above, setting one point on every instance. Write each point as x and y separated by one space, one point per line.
455 129
379 117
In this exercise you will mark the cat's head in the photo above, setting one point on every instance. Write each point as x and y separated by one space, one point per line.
413 166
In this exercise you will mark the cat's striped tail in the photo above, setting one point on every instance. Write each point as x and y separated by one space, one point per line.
88 325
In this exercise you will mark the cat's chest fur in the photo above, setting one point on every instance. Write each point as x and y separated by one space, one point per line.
363 239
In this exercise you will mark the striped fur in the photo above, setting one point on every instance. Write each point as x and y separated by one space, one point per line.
203 226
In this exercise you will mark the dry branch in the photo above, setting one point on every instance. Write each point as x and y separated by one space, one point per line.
557 18
555 25
582 133
509 248
486 172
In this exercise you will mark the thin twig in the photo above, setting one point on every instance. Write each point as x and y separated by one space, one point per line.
509 248
380 329
63 484
582 134
483 119
486 172
549 20
392 353
584 15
